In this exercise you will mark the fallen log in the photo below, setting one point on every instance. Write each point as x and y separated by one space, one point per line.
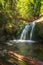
8 62
26 59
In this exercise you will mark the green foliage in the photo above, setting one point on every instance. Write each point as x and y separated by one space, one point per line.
29 8
37 6
41 10
10 9
22 7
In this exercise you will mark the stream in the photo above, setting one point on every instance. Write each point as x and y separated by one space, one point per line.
32 50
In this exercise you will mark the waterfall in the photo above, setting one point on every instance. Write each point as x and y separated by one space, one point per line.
32 30
29 30
33 26
27 33
24 34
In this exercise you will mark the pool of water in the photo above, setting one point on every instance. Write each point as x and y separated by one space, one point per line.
31 50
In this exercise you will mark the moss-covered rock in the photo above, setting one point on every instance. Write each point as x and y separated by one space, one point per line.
38 31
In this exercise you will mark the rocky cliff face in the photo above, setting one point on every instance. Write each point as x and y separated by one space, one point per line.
38 31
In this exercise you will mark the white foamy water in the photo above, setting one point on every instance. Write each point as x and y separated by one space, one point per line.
29 41
12 42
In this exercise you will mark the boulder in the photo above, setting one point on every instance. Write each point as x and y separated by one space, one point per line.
38 31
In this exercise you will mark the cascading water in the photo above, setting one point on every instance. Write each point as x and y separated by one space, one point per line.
25 33
28 31
32 30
